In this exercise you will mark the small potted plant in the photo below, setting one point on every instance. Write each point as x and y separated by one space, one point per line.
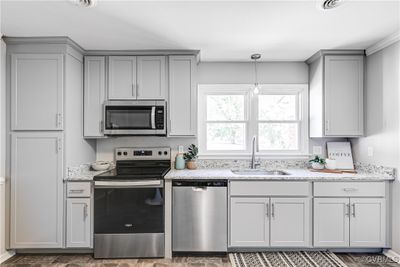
191 156
317 163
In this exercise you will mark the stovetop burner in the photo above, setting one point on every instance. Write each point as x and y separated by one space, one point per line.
139 164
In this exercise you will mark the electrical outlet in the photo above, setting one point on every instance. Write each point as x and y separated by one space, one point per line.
317 150
370 150
180 149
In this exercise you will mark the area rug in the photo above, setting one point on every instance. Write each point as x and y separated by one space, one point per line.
286 259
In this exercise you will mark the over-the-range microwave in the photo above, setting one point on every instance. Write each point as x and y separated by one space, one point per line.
140 117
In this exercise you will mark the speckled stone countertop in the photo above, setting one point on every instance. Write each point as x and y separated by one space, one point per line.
83 173
294 175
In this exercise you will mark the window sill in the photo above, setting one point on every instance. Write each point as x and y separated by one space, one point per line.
258 156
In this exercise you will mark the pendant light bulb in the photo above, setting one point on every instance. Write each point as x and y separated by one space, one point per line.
256 89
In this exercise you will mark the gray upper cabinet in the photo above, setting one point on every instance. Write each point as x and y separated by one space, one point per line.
36 190
336 94
37 91
94 96
122 78
182 104
151 77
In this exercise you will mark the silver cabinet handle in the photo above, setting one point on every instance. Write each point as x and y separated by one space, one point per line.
85 211
347 210
267 209
354 210
350 189
273 210
76 190
59 145
101 126
326 125
133 90
137 90
58 120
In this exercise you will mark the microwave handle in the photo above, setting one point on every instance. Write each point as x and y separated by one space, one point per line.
153 117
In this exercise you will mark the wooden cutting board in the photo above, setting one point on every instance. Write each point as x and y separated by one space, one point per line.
333 171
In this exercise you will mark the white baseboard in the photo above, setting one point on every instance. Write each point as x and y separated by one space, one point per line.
391 254
6 255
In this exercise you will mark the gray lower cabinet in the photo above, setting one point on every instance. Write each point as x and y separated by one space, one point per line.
249 223
269 222
36 190
37 82
94 96
350 222
290 222
78 223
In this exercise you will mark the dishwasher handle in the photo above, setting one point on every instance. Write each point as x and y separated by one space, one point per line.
201 184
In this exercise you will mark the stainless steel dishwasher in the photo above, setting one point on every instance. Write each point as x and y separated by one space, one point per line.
199 216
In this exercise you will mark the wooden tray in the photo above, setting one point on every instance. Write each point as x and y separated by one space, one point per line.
333 171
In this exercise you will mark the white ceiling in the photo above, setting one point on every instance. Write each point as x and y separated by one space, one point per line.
222 30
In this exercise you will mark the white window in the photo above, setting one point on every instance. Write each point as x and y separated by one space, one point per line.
230 115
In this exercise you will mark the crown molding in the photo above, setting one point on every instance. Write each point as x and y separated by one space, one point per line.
327 52
389 40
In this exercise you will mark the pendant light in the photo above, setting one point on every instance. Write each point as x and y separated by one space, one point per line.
256 89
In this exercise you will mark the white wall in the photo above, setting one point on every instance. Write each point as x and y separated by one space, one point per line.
214 73
382 117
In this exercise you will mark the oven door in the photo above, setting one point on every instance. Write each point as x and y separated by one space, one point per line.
132 118
129 219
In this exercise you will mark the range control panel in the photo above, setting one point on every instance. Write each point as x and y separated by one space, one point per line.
149 153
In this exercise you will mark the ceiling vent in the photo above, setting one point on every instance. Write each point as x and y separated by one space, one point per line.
329 4
85 3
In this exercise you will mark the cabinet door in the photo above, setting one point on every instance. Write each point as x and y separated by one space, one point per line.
344 78
331 222
151 77
37 91
249 224
36 190
94 96
122 77
290 222
367 222
78 222
182 106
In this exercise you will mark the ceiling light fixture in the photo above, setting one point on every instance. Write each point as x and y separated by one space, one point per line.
85 3
328 4
256 89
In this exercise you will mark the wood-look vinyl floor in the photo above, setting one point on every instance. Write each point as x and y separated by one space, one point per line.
86 260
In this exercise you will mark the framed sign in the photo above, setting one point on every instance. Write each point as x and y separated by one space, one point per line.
341 153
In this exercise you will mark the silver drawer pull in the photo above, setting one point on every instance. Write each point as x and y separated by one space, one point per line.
76 190
350 189
85 211
267 209
273 210
354 210
347 210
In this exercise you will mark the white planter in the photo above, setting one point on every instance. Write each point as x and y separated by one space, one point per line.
317 166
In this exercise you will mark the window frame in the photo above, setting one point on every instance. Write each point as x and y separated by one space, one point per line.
251 116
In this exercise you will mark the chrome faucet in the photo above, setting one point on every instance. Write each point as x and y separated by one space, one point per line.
254 147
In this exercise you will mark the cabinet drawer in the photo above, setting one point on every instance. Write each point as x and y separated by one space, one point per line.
262 188
78 189
349 189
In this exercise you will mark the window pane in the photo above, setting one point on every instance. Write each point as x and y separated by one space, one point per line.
225 107
278 136
226 136
277 107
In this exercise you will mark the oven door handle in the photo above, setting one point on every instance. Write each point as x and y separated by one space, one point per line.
130 184
153 117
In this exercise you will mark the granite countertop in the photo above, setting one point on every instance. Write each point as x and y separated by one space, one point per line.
83 173
295 175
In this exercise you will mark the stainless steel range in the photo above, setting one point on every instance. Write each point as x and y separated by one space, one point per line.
129 204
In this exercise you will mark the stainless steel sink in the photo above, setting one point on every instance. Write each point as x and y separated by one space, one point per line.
259 172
